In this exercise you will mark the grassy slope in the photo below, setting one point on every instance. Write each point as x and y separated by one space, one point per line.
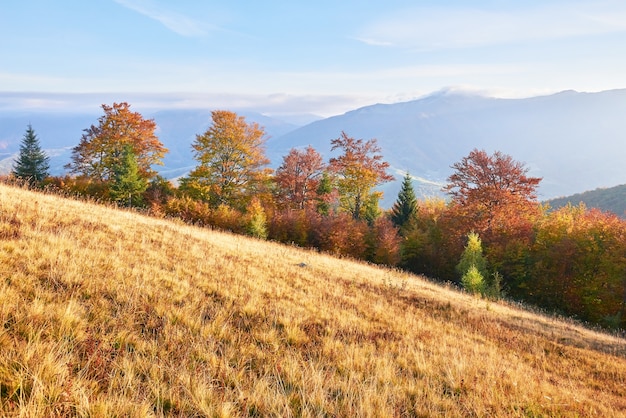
107 313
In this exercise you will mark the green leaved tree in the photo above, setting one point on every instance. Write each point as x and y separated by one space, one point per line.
32 163
473 265
405 207
128 184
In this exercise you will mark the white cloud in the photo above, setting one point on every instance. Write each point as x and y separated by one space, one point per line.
180 24
320 104
441 28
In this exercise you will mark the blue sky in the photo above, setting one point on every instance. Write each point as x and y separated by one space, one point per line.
323 57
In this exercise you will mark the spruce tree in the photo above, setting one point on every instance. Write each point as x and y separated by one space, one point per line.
32 164
324 190
405 206
128 183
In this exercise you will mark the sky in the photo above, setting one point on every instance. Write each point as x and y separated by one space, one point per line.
287 57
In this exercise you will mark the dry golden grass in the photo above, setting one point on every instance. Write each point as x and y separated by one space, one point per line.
109 313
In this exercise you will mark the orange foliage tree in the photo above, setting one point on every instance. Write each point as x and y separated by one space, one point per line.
579 265
493 196
231 158
385 242
425 248
488 186
298 178
359 169
102 146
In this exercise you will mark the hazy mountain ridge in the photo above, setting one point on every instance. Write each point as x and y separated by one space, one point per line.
612 199
573 140
556 136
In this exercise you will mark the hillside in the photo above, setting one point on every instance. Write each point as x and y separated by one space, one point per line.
110 313
610 199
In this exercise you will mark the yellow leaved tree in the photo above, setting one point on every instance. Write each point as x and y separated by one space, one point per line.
231 157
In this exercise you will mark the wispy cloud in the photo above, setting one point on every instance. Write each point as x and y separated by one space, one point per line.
442 28
90 103
176 22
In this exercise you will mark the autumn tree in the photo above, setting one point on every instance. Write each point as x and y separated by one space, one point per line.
359 169
101 147
493 196
298 177
231 158
256 223
386 242
405 206
32 163
485 186
426 249
579 265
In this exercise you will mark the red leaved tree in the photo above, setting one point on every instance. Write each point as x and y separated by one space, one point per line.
485 185
298 177
493 196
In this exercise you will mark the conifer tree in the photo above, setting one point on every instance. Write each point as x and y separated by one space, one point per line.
324 194
128 184
473 256
473 281
32 164
405 206
473 265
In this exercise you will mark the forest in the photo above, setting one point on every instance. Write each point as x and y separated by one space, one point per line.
491 236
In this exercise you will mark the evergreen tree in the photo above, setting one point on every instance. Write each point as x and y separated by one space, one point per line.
324 192
32 164
128 183
473 281
405 206
472 256
473 265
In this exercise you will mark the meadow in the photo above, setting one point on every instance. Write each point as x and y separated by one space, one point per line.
106 312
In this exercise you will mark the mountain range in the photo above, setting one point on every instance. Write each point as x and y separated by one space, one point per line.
612 199
573 140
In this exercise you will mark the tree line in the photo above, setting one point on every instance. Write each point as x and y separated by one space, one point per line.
490 236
